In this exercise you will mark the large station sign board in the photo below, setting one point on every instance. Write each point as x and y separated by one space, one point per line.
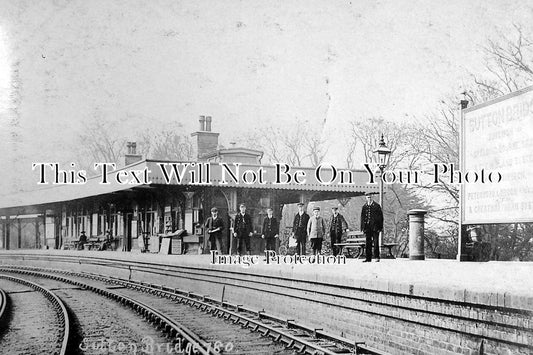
497 136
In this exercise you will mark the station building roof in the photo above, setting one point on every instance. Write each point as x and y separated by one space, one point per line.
196 174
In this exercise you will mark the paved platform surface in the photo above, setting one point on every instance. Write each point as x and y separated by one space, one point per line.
493 276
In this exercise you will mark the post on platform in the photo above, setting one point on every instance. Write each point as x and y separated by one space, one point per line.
383 154
461 242
416 234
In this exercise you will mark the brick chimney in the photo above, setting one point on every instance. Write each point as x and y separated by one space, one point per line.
131 155
206 141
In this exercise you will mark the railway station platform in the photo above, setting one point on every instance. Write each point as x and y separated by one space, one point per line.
398 306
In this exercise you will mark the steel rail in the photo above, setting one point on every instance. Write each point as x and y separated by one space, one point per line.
178 331
209 305
56 302
3 303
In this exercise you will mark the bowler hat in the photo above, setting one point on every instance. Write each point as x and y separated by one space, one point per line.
316 208
369 193
299 204
214 209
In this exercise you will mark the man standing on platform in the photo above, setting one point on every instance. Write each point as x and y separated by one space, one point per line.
243 230
337 226
316 228
270 230
82 240
214 226
371 226
299 229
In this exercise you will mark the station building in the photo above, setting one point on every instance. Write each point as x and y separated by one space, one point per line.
174 200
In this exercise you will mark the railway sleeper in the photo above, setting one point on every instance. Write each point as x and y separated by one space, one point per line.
198 305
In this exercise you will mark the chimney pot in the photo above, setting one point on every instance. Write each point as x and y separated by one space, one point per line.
208 123
131 155
132 147
202 123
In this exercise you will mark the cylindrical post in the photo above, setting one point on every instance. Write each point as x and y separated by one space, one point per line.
416 234
461 242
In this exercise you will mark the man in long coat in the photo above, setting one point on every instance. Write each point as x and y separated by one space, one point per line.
270 230
337 226
243 230
371 226
214 227
299 229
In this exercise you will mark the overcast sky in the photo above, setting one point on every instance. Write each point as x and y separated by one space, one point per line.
246 63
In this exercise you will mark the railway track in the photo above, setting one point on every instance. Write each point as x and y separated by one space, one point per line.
99 324
19 311
153 343
3 305
217 328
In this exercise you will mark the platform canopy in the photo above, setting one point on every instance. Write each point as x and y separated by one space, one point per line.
325 180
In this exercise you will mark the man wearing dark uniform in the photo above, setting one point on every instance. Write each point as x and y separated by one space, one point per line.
371 225
299 229
82 240
270 230
243 230
214 227
337 225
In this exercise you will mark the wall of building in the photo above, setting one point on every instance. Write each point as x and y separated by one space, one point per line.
396 317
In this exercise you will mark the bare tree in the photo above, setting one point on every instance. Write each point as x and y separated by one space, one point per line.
351 148
508 64
368 134
103 142
437 142
166 144
510 241
297 144
316 148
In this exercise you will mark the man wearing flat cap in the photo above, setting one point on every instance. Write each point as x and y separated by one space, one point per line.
316 228
82 240
243 230
337 226
214 226
270 230
299 229
371 225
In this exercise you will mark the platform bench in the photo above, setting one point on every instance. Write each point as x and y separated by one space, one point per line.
94 244
69 246
357 244
389 247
